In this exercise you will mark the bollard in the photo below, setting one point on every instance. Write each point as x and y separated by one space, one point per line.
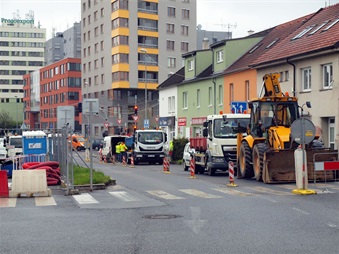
105 159
113 159
231 175
192 168
100 155
87 154
132 161
124 161
166 165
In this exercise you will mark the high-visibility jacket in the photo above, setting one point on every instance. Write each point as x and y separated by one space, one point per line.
171 146
117 148
123 148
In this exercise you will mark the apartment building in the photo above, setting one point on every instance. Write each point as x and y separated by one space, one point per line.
21 52
128 49
58 84
65 44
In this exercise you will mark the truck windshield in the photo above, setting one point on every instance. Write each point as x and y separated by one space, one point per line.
16 142
150 137
224 129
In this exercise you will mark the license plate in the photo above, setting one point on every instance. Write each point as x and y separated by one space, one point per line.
151 155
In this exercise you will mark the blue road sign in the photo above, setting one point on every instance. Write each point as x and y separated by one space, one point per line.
146 123
238 106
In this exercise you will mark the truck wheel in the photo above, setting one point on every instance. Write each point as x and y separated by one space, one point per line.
245 159
210 171
258 160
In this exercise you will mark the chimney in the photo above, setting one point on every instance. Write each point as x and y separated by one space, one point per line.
250 32
205 43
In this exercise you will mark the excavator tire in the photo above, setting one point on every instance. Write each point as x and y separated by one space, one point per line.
258 160
244 163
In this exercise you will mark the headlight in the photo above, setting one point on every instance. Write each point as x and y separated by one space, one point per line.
218 160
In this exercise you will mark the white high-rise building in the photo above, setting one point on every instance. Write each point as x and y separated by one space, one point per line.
21 51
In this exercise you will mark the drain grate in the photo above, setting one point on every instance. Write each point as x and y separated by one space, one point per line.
161 216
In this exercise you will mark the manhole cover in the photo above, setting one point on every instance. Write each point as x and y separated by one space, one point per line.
161 216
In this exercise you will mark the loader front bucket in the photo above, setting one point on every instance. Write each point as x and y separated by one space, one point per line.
279 166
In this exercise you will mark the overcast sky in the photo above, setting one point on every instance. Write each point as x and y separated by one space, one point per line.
237 16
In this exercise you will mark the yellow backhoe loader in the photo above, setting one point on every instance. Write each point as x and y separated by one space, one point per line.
267 151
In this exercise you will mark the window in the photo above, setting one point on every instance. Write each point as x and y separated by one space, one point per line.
96 47
95 15
306 79
185 100
220 56
190 65
287 75
102 28
221 94
170 45
331 131
171 12
102 78
96 31
102 45
327 76
281 79
171 104
198 98
171 62
170 28
299 35
184 46
210 96
102 12
185 14
332 24
184 30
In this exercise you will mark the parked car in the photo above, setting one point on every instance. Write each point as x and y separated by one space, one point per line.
186 157
96 143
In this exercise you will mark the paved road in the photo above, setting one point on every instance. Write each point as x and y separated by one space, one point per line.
152 212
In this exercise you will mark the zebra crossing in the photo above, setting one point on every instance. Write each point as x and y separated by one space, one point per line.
119 197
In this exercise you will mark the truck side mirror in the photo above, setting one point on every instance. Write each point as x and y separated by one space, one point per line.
205 132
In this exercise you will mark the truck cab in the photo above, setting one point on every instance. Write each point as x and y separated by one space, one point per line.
149 146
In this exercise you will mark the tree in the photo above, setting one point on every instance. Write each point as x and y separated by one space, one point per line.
6 121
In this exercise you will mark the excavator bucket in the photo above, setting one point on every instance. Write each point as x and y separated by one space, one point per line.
278 166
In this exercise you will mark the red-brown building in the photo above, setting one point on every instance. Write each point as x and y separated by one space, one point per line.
58 84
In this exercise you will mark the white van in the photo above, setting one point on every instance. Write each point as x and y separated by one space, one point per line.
109 144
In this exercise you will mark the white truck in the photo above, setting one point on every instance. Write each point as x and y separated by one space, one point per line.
14 146
149 146
218 146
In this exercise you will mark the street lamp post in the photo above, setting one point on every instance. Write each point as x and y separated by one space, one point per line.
144 51
17 120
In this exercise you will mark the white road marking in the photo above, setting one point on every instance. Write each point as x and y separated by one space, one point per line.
44 201
8 202
301 211
235 192
269 191
198 193
124 196
85 199
163 194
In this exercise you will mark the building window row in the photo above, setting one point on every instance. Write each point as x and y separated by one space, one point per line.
185 13
119 4
22 44
326 76
22 35
21 53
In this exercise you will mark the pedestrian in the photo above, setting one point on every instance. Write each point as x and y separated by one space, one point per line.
123 149
117 151
171 149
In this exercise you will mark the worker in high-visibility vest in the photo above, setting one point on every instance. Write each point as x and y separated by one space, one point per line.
117 151
123 149
171 148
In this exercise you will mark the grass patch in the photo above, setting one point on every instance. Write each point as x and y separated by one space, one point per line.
82 176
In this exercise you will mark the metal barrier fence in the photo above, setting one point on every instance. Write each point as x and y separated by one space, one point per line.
330 167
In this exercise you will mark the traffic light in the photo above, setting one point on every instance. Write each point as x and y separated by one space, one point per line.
135 128
135 110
